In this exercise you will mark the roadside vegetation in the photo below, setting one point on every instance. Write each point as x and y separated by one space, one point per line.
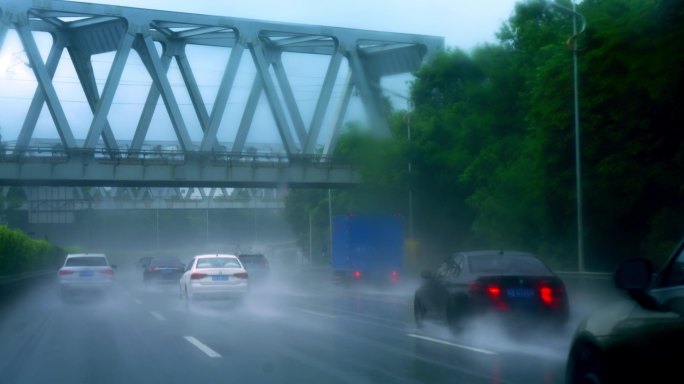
493 142
20 253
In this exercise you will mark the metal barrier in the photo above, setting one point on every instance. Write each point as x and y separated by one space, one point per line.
21 277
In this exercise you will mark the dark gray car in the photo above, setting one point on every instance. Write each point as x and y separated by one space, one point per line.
510 285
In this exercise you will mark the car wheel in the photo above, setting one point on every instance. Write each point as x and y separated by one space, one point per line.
454 315
419 312
187 297
585 365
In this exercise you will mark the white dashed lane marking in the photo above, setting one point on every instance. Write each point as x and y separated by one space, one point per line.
207 351
449 343
158 316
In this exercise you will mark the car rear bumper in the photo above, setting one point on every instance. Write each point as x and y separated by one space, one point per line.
216 290
163 278
85 285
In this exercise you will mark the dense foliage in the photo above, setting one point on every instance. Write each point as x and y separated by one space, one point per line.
493 138
20 253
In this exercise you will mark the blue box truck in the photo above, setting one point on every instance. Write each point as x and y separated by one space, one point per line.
367 249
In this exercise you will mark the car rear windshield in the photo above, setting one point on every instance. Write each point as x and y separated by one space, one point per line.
507 265
166 262
86 261
218 262
253 259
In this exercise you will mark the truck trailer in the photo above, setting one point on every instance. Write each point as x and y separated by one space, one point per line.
367 249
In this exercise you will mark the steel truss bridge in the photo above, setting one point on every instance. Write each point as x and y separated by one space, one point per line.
58 205
99 155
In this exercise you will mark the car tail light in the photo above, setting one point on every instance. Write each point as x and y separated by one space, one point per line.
494 291
151 269
241 275
109 272
197 276
491 291
357 274
63 272
546 294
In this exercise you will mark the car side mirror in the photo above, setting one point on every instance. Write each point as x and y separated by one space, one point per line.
427 275
634 274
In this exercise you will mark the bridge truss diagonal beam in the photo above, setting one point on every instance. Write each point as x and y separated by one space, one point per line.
44 81
148 53
105 102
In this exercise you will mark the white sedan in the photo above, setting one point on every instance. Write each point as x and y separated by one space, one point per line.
85 272
216 275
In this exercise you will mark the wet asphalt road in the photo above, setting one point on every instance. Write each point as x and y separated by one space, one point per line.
286 332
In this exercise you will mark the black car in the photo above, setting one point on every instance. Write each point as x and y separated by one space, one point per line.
512 285
256 264
639 339
163 269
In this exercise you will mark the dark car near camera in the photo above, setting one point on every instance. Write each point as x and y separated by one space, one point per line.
639 339
163 269
513 286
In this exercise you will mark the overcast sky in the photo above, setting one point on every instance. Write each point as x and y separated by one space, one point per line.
463 23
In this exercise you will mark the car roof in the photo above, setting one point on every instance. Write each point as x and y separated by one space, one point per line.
164 258
495 252
72 255
471 256
214 255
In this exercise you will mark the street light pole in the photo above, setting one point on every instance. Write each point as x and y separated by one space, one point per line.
409 104
578 158
410 187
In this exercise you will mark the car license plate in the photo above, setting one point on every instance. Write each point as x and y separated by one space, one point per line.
520 293
219 278
85 273
166 271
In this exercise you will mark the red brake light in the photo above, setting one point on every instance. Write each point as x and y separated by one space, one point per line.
395 274
546 295
357 274
241 275
151 269
197 276
63 272
494 291
107 271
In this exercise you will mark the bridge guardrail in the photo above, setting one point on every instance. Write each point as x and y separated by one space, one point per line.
60 154
585 275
